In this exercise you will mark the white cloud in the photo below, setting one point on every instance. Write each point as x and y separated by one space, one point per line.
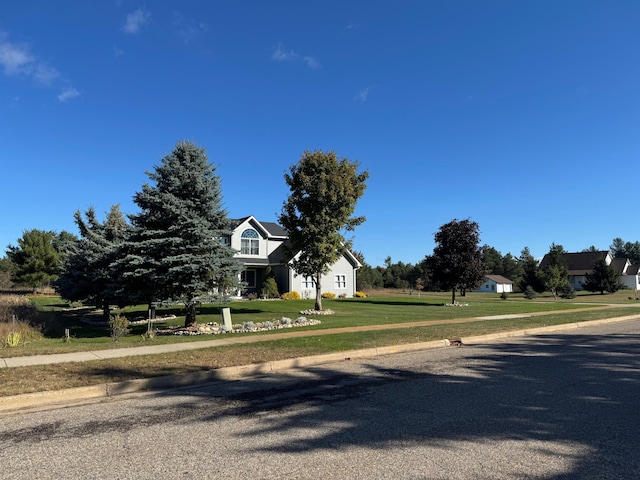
282 55
311 62
363 95
188 29
68 94
134 21
16 59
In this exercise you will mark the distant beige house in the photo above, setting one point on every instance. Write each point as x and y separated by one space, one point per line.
496 284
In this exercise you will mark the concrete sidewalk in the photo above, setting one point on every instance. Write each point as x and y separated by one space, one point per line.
231 339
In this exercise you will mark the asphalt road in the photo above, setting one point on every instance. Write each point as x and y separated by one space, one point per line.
558 406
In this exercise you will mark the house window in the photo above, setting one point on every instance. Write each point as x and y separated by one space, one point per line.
249 242
340 282
307 282
249 277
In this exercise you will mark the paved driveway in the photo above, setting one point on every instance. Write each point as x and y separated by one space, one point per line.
557 406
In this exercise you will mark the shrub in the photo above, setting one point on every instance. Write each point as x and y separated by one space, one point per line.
270 288
119 326
249 326
360 295
567 291
285 321
530 293
504 295
291 296
328 295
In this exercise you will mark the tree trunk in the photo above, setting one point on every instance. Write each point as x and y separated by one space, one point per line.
318 305
190 317
453 295
106 311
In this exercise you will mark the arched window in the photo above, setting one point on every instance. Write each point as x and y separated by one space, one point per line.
249 242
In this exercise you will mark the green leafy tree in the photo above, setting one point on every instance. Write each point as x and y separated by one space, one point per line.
603 278
320 207
555 272
457 257
88 271
35 259
269 287
175 252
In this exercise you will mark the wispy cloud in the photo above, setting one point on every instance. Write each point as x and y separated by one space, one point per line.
280 54
188 29
68 94
363 95
352 26
16 59
135 20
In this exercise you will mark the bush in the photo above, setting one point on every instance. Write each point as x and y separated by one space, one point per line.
360 295
504 295
328 295
530 293
270 288
291 296
119 326
567 291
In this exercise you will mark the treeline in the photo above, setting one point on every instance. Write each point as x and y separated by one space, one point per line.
524 270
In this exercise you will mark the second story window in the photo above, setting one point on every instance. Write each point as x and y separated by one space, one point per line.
249 242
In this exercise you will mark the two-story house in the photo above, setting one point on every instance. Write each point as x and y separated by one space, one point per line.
261 244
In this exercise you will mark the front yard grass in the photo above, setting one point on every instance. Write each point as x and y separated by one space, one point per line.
376 311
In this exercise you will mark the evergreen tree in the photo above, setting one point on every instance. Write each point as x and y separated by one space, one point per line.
175 252
35 259
555 274
457 257
324 193
88 272
531 276
603 278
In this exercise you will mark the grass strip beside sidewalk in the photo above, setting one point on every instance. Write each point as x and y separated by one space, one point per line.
21 380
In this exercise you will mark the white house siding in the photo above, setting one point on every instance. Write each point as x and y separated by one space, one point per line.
631 281
342 267
495 287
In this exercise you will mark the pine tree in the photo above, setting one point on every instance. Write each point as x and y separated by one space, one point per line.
35 259
175 253
88 272
603 278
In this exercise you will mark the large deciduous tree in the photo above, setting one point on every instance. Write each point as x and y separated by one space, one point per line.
175 252
35 259
457 258
320 207
88 272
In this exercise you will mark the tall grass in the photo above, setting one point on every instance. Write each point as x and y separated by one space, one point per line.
16 313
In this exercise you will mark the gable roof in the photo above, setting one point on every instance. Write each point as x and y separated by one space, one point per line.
579 263
499 279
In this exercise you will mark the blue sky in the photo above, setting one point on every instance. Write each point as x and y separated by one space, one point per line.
521 115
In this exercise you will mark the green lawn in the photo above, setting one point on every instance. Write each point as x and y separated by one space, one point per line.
378 310
375 310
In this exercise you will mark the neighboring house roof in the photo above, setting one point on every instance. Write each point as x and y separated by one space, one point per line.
274 229
620 265
579 263
499 279
633 270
